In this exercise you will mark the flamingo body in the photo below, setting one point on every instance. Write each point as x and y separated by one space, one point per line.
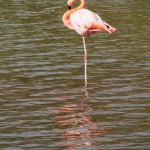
84 22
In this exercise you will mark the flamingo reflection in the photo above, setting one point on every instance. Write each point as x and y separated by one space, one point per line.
76 126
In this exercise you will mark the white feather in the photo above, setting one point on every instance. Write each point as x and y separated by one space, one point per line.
82 20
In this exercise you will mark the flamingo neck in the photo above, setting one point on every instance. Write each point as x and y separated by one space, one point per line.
81 6
66 16
66 20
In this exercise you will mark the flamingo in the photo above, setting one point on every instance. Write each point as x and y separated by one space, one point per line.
84 22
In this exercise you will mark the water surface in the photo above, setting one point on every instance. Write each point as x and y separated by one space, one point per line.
42 102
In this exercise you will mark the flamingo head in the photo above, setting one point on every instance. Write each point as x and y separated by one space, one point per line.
69 7
70 3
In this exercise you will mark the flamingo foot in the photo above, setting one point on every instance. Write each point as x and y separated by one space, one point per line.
85 85
110 28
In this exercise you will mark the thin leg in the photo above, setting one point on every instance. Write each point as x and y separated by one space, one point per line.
85 62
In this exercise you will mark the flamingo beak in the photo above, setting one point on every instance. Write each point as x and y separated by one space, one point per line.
69 7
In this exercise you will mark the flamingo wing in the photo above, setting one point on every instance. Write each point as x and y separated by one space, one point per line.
83 21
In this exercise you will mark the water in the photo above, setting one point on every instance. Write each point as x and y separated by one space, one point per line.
42 102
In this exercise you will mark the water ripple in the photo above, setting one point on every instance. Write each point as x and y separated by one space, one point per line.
42 102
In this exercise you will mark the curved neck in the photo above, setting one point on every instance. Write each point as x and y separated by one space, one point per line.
66 16
82 5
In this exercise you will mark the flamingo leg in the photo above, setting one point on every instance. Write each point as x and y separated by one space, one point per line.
85 62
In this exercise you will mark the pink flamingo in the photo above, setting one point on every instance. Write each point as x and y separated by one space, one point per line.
84 22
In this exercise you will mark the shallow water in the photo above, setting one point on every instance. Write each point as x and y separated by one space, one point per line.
42 102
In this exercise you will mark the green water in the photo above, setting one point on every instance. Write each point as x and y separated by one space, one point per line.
42 104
